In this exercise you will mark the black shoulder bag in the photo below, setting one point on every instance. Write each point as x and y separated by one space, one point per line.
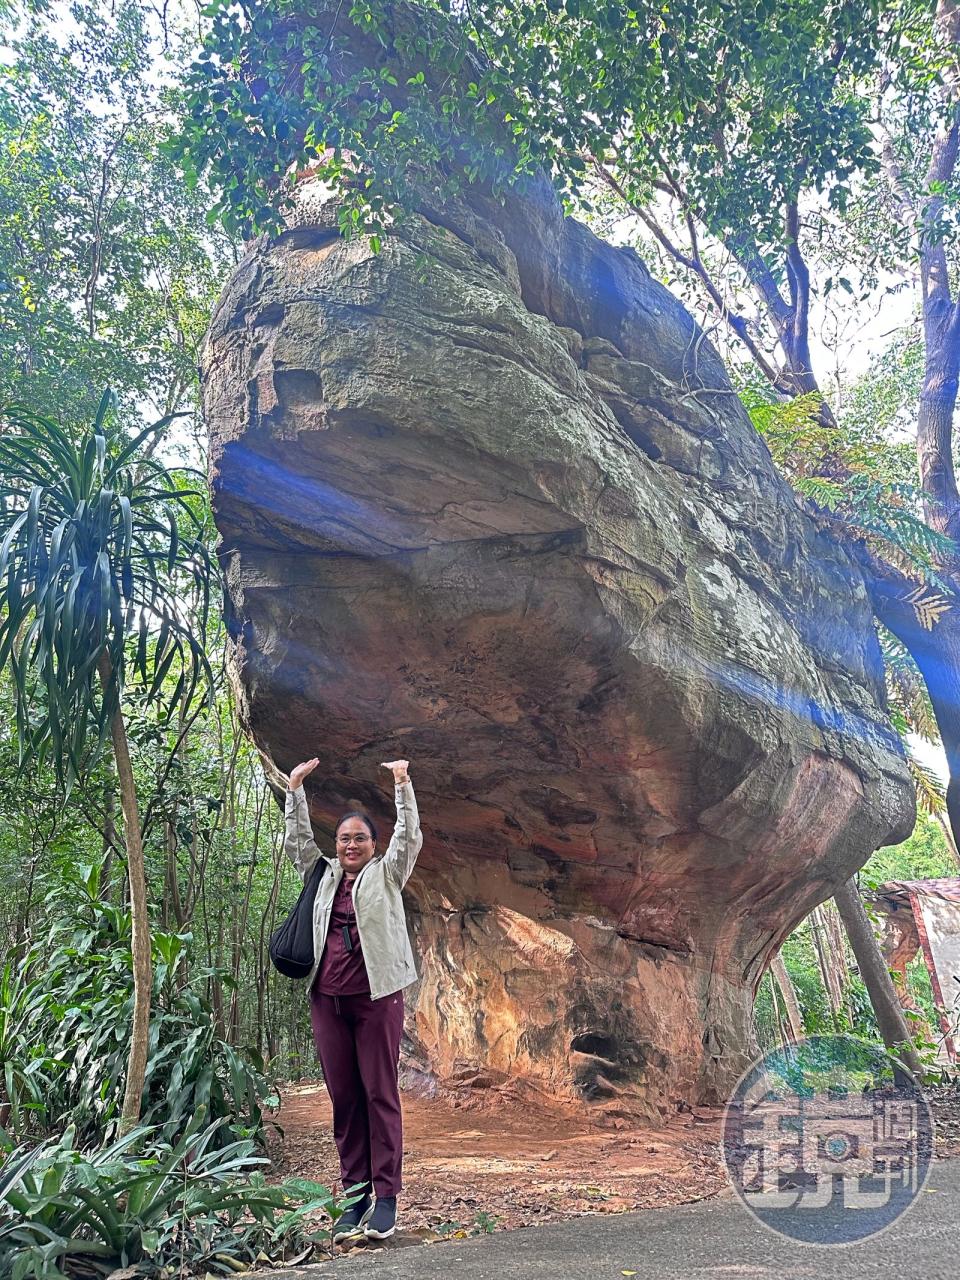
291 946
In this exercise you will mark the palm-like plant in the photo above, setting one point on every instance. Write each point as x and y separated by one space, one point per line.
94 568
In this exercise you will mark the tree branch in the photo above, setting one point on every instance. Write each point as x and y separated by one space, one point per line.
800 286
750 260
933 263
903 201
737 323
761 277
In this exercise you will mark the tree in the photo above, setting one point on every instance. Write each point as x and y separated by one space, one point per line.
108 272
789 993
93 566
876 977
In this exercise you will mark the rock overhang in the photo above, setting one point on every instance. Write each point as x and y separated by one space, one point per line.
558 570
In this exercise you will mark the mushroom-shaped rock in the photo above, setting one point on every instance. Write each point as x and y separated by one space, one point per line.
488 500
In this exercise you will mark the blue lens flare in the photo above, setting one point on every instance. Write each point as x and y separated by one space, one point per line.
357 527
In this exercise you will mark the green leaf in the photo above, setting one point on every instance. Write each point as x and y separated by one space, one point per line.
174 542
78 575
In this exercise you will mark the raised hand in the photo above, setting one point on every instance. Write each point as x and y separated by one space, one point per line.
300 771
399 770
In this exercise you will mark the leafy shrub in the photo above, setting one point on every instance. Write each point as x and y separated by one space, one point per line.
65 1018
196 1206
24 1078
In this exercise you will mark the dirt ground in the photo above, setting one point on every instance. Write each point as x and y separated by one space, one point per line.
491 1160
477 1164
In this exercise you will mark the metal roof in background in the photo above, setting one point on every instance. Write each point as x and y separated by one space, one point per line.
900 891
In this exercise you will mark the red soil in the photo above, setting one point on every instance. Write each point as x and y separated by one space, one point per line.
496 1159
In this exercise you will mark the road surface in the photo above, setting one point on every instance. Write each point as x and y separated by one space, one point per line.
714 1240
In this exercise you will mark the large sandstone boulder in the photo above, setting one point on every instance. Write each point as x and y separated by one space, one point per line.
488 500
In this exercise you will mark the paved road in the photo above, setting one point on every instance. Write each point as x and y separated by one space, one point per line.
716 1240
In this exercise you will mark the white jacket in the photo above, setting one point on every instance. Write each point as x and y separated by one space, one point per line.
377 902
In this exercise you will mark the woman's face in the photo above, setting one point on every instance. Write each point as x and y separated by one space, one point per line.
355 846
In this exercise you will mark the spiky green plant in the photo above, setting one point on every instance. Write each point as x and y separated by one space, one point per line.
145 1206
99 545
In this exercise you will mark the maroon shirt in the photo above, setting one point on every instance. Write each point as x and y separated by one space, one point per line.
342 971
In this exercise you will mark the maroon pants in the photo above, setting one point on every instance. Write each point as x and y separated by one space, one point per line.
358 1044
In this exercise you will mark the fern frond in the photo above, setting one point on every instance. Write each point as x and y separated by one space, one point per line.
929 606
909 695
825 493
911 534
895 652
931 793
858 482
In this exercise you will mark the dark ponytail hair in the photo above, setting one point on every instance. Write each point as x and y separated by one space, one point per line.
363 818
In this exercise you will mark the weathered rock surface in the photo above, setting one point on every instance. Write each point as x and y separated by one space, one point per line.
488 500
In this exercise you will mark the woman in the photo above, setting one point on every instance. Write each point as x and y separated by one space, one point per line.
363 960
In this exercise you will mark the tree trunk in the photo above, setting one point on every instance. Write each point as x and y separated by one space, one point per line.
241 924
837 957
173 871
109 832
23 929
782 1032
875 975
140 927
929 625
821 945
787 989
264 1019
948 837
